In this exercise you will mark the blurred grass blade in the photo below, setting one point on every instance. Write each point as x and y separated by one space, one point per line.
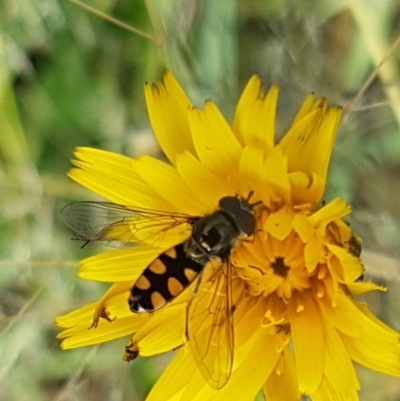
13 145
371 19
15 157
129 28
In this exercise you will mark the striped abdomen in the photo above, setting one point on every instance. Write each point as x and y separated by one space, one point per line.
164 279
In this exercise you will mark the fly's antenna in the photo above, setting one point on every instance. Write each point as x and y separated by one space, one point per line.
249 196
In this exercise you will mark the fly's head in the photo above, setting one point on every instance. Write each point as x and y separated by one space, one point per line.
217 234
241 212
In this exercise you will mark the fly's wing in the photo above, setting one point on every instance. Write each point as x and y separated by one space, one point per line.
121 226
210 328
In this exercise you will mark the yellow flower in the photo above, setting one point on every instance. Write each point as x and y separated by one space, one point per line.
295 326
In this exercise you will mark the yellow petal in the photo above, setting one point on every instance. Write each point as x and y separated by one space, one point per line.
175 378
112 301
344 315
265 175
121 321
254 120
276 176
167 106
352 267
304 109
283 385
312 251
261 358
266 122
260 362
333 210
182 373
279 223
216 145
117 293
247 255
207 186
246 108
309 142
306 187
83 314
363 308
105 331
327 391
293 141
113 177
308 339
248 319
302 227
361 287
312 254
338 367
168 184
252 177
164 332
377 348
118 265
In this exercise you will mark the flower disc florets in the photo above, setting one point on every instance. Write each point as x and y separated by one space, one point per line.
296 250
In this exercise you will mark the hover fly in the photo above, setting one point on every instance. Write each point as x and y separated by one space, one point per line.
210 239
354 246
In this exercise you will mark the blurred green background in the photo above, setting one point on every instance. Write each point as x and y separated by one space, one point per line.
70 78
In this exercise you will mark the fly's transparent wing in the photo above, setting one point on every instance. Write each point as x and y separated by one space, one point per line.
210 328
119 225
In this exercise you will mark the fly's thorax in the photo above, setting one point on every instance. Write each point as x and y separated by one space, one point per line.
213 236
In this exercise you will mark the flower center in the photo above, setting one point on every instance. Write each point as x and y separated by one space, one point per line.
279 267
298 249
270 265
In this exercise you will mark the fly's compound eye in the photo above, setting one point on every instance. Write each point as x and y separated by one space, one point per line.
241 213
